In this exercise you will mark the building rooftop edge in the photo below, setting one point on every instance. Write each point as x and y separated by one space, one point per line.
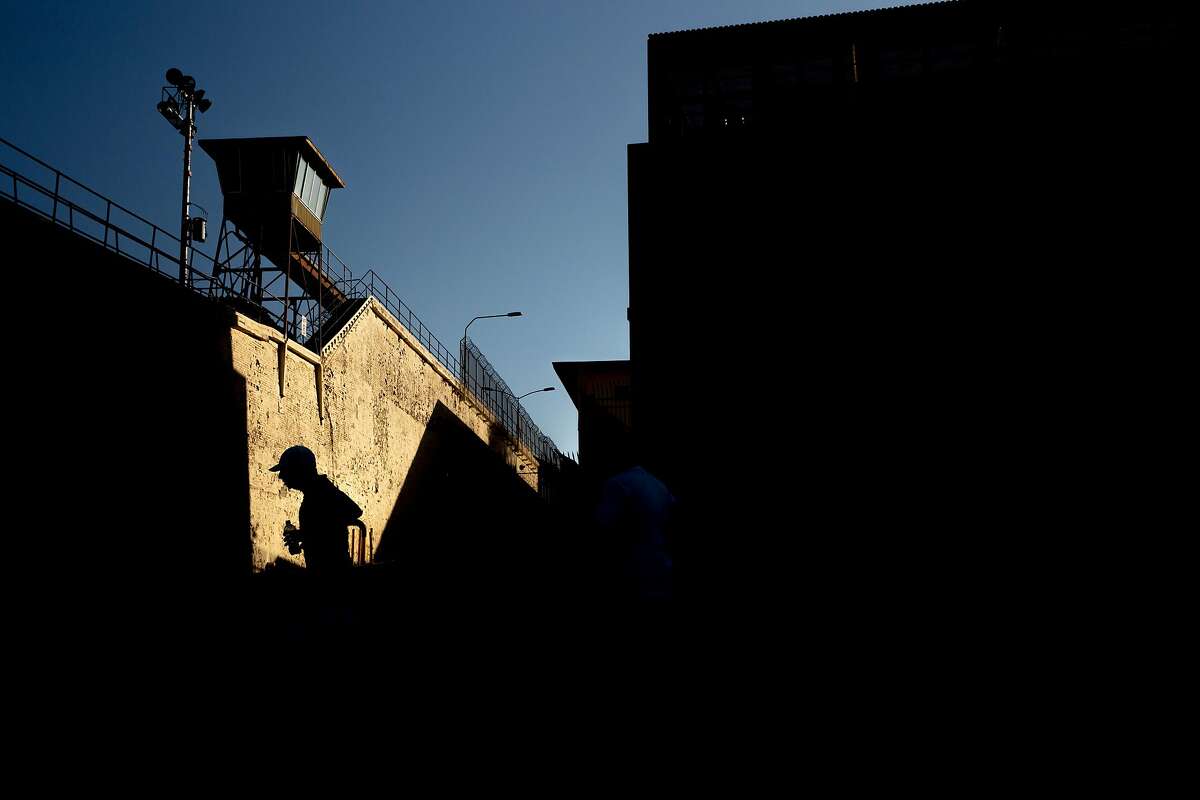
212 146
839 14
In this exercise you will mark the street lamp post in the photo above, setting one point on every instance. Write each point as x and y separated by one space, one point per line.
181 100
463 344
518 399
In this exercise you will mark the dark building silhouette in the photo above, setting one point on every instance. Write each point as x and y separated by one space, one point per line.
601 391
873 258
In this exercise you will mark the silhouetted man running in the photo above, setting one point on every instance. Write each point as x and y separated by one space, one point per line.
325 512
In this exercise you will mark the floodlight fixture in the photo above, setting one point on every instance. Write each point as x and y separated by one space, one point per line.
170 111
179 107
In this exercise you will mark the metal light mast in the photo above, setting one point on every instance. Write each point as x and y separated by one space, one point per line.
181 100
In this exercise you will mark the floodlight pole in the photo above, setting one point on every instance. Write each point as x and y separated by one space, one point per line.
189 128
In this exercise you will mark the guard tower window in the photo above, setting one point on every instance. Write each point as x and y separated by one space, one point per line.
252 173
316 198
311 189
310 179
304 176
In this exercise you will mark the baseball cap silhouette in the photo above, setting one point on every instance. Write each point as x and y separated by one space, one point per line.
297 457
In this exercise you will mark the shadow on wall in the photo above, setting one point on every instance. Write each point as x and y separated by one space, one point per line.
135 450
471 560
464 525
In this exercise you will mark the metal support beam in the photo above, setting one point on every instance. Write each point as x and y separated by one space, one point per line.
282 365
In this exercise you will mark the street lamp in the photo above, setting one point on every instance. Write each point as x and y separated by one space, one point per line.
518 399
181 100
464 339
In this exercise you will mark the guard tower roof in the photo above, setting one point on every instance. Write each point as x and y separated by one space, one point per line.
220 147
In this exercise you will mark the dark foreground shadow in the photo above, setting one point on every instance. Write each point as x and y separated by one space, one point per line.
473 567
133 495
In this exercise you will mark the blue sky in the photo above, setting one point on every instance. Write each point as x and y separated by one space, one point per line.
482 143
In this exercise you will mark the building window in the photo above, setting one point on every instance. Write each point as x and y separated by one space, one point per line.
950 58
900 63
818 71
311 189
786 75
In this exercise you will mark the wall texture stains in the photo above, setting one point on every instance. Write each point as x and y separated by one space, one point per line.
380 390
158 412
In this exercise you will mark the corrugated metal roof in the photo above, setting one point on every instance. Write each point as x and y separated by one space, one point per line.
807 19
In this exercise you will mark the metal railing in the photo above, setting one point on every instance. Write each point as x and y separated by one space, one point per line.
483 381
86 212
371 285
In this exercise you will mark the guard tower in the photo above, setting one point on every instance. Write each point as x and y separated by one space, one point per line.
270 261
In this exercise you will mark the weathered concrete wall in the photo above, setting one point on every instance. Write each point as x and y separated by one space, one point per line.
146 417
380 389
158 412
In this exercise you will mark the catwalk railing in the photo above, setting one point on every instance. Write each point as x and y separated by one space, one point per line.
481 380
85 212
